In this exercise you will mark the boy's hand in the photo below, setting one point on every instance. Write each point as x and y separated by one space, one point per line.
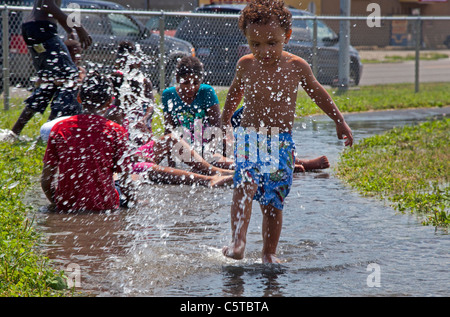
343 132
84 37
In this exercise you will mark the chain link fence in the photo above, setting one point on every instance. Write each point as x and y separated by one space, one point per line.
382 50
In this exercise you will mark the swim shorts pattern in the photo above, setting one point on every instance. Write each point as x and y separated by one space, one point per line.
267 161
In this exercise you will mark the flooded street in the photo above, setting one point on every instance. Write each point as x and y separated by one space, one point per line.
334 242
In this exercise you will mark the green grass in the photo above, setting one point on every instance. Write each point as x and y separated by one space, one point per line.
24 270
409 166
382 97
431 56
377 97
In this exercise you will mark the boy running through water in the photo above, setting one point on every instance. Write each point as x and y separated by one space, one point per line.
268 80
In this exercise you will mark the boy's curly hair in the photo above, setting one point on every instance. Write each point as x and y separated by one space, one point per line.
263 11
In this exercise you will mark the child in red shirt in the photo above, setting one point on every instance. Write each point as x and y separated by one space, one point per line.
84 152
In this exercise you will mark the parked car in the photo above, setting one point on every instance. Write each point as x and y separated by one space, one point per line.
171 23
107 31
447 42
219 44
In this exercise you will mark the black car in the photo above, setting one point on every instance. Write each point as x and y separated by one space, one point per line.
447 42
107 31
219 44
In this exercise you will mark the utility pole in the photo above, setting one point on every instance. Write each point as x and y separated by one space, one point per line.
344 46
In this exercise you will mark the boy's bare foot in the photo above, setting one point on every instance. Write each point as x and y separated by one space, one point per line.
299 168
218 180
270 258
320 162
234 252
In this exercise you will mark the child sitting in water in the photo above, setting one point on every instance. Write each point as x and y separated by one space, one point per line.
191 99
267 27
84 152
192 104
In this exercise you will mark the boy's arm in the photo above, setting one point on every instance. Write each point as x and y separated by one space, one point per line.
50 7
324 101
235 95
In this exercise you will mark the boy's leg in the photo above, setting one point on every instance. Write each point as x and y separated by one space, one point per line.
23 119
271 230
241 210
37 102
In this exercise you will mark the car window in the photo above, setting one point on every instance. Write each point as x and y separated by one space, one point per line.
171 22
301 31
323 31
204 26
122 26
94 23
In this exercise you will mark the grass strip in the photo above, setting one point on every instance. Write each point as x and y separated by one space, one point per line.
24 270
409 166
376 97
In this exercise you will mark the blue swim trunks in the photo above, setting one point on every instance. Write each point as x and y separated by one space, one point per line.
267 161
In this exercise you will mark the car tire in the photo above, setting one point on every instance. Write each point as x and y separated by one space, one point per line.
354 72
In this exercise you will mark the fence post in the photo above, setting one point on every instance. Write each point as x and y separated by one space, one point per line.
417 62
314 57
162 75
344 43
5 45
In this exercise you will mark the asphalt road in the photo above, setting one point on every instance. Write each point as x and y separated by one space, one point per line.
404 72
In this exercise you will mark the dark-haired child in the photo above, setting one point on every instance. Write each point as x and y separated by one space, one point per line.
191 104
50 57
84 152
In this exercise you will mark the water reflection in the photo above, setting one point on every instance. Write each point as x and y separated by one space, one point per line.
235 277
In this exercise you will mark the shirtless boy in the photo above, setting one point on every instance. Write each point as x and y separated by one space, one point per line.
51 57
268 80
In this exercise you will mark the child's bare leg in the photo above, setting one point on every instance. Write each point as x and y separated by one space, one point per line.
320 162
189 156
222 162
241 210
271 230
23 119
173 176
